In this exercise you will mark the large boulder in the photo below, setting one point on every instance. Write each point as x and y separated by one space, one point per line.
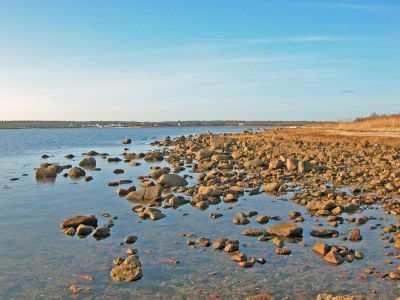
172 180
334 257
292 164
88 162
275 164
76 172
75 221
152 192
286 230
212 190
216 142
136 195
46 172
272 187
240 219
148 194
252 164
158 173
203 154
153 213
129 270
305 166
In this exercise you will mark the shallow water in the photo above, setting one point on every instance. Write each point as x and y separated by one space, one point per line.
38 261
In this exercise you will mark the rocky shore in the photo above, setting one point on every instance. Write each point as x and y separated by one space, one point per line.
332 176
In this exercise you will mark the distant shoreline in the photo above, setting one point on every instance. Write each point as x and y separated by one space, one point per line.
163 124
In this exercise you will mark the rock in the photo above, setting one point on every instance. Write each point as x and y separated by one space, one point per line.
88 162
203 154
210 191
240 219
275 164
46 172
389 228
321 248
246 264
129 270
253 232
136 195
358 254
283 251
305 166
271 187
69 156
84 230
394 275
263 219
101 233
69 231
286 230
127 141
277 242
176 201
118 171
172 180
153 213
76 172
130 239
152 193
75 221
231 247
230 198
324 233
291 164
215 215
334 257
355 235
238 257
253 164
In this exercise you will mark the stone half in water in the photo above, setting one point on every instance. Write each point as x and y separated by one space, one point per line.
129 270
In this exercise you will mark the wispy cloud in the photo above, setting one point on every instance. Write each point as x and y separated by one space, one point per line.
277 40
370 8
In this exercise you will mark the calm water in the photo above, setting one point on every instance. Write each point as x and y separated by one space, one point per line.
38 261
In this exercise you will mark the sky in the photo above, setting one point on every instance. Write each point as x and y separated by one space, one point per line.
198 60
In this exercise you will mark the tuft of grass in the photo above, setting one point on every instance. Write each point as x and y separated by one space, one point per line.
372 123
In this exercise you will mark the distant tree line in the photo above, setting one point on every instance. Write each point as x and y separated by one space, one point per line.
94 124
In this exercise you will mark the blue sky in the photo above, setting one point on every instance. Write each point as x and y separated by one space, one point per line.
182 60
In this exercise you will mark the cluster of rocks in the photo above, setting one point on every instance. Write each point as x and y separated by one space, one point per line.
85 225
336 254
329 177
230 247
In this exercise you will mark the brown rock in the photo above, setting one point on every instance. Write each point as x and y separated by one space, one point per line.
286 230
129 270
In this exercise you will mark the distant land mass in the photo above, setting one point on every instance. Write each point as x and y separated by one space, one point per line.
134 124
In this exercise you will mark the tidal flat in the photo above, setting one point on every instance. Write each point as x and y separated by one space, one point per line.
341 192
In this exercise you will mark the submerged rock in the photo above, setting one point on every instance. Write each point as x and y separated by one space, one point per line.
324 233
240 219
101 233
75 221
76 172
129 270
334 257
89 162
286 230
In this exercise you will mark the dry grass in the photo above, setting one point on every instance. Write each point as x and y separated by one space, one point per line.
373 123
